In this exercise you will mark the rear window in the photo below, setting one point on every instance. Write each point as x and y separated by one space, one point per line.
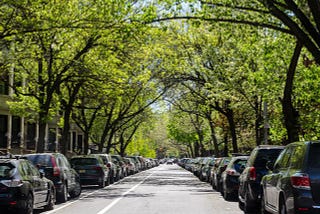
83 161
314 156
40 160
6 170
265 155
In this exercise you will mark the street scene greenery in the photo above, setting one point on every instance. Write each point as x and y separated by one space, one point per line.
165 78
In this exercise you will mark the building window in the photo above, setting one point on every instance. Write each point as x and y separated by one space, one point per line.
3 131
4 86
16 132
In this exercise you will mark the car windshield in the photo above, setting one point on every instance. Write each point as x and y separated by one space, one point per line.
40 160
314 157
6 170
83 161
266 155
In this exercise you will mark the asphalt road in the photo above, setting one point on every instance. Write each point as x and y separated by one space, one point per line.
166 189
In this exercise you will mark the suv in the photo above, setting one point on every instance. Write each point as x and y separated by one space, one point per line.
23 187
92 170
58 169
112 166
293 184
249 181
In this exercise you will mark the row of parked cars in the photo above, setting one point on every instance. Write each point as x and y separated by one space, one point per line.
40 180
271 179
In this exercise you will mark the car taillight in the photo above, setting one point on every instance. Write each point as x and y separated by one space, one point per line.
231 172
56 170
300 181
12 183
108 165
252 174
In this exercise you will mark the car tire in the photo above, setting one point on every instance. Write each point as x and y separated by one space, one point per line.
28 209
76 192
102 183
227 196
63 196
247 207
51 201
112 179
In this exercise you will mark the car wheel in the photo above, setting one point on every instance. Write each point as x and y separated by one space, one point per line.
76 191
282 208
213 184
51 200
63 196
112 178
241 205
226 195
28 209
102 183
108 180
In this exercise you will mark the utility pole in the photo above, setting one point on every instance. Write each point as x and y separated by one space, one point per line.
266 125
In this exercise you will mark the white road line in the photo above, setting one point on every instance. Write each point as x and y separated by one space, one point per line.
107 208
87 195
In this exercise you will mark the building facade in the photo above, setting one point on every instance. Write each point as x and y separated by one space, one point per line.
19 136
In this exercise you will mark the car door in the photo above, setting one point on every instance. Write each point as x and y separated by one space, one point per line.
69 172
273 180
35 183
42 184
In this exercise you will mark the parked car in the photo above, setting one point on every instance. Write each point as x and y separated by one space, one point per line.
137 162
230 177
217 171
131 167
118 160
207 165
58 169
107 159
250 179
23 187
91 169
293 185
188 164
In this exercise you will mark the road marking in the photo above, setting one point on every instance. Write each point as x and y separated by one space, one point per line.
85 196
107 208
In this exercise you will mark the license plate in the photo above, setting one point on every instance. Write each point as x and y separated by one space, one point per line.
82 171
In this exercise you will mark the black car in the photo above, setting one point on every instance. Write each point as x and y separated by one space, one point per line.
230 177
250 179
23 187
217 171
293 185
58 169
91 169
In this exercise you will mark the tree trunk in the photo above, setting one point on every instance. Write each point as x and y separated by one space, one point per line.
65 132
291 115
214 138
232 127
42 133
86 143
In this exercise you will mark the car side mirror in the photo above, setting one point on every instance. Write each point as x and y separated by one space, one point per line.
41 171
241 168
